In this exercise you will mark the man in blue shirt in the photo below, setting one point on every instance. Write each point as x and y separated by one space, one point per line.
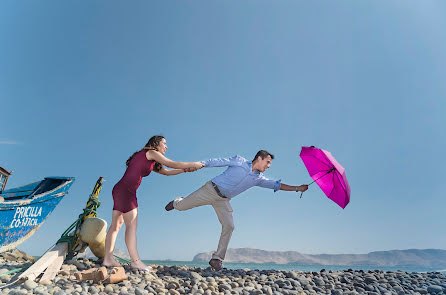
240 176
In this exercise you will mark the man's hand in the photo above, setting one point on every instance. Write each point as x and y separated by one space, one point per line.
196 166
302 188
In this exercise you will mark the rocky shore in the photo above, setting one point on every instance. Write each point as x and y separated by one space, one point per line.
176 280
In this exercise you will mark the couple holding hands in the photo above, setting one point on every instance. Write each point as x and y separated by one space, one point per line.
240 175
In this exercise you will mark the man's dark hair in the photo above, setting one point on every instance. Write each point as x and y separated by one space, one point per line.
263 154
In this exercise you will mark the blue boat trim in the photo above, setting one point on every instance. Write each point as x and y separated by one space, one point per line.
24 209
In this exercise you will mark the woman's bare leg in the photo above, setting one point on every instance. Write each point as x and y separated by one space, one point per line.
131 223
110 239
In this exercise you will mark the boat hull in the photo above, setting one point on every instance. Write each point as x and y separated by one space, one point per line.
26 208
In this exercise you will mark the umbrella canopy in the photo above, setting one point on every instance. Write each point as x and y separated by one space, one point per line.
327 173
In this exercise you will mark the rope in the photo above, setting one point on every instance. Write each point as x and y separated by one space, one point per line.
122 259
10 272
13 271
71 237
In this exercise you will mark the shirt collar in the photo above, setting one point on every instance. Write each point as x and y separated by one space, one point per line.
250 169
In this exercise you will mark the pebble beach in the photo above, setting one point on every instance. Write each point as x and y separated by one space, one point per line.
176 280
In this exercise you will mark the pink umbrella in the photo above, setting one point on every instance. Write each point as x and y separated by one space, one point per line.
327 173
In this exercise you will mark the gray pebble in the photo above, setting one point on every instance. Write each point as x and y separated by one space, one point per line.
30 284
433 289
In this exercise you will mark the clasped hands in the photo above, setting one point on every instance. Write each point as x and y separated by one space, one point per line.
196 166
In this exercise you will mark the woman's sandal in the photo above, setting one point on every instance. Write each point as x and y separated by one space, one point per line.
147 269
111 266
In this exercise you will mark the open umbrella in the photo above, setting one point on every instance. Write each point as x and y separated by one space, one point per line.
327 173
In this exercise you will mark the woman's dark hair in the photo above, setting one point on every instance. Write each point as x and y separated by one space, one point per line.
263 154
152 144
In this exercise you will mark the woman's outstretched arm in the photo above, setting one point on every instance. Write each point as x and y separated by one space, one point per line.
160 158
169 172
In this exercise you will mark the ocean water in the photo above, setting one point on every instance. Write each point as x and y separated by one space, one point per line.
273 266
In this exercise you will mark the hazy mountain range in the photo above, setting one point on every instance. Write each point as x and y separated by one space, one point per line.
412 257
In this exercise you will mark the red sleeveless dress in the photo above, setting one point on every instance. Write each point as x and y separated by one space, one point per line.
124 192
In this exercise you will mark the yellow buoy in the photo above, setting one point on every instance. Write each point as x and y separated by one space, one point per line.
98 249
93 230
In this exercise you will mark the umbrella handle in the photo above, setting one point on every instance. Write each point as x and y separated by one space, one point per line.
301 193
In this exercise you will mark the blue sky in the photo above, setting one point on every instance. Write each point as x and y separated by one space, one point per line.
84 84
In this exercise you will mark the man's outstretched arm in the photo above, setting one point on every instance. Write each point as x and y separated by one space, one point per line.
278 185
221 162
293 188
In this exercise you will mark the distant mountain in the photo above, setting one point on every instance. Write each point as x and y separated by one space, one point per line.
412 257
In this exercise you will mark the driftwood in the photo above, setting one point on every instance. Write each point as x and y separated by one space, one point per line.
92 274
46 261
52 270
100 275
117 275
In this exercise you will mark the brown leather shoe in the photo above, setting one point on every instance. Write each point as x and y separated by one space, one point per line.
169 206
215 264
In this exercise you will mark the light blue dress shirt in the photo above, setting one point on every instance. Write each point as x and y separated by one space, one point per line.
239 176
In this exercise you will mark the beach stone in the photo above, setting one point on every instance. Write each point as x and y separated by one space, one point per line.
173 285
5 278
421 291
434 289
79 265
108 289
45 282
30 284
319 282
370 280
64 272
267 290
3 270
40 290
60 292
196 275
183 273
93 290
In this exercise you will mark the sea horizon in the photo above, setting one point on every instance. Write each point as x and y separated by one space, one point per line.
296 267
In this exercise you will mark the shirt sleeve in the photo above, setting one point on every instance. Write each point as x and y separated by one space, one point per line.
221 162
269 183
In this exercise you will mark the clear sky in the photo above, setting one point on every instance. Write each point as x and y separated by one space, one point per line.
84 84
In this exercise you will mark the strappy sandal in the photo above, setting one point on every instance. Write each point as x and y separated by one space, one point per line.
147 269
111 266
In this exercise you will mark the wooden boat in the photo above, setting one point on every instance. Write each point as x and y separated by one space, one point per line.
24 209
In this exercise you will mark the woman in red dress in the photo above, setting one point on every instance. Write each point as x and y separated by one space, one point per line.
125 208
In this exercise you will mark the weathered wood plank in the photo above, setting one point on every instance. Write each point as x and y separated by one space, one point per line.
52 270
46 260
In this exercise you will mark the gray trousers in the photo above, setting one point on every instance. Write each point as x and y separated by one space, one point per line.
206 195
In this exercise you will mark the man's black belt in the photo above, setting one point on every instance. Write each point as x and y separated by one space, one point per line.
217 190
